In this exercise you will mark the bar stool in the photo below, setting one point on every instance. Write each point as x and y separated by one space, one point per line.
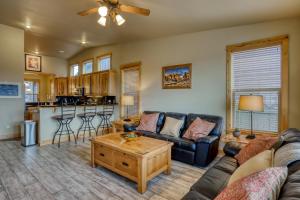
87 117
105 116
64 119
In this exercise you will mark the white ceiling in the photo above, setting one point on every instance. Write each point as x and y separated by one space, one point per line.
56 26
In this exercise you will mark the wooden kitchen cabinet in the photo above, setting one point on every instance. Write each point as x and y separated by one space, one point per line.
86 80
61 86
103 83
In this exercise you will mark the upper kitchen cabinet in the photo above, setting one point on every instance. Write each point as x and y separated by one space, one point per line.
61 86
103 83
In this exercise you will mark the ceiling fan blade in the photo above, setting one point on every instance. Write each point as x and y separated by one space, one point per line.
134 10
88 12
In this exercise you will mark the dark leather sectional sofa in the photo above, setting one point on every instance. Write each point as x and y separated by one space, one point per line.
199 153
216 178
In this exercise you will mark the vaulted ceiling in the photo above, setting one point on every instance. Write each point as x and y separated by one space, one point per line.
55 25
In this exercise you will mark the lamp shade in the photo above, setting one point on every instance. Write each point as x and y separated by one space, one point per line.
127 100
254 103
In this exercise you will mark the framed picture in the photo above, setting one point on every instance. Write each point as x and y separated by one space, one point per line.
177 76
10 90
33 63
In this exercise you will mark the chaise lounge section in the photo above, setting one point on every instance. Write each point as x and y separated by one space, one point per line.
200 152
216 178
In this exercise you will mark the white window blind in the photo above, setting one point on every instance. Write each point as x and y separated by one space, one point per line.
130 87
87 67
258 72
104 63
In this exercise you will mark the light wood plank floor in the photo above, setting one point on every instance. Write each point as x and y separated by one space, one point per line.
49 172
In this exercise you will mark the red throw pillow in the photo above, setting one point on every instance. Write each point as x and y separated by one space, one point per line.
255 147
198 128
148 122
261 185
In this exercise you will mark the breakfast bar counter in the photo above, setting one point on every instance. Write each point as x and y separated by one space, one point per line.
47 126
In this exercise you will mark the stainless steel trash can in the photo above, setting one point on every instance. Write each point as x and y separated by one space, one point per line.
28 133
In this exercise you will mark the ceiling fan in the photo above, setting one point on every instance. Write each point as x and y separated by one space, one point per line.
112 9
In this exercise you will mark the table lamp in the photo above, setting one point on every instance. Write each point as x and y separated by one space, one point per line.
251 103
127 101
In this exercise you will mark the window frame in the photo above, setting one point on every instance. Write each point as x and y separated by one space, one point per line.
86 61
130 66
101 56
35 81
283 101
71 68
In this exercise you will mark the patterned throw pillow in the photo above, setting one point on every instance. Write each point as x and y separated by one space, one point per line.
255 147
263 185
199 128
148 122
257 163
172 126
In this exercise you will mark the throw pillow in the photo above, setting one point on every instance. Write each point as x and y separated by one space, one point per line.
198 128
258 186
255 147
172 126
257 163
287 154
148 122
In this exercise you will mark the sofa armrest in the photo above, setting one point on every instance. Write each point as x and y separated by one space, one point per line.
232 148
207 139
129 127
207 149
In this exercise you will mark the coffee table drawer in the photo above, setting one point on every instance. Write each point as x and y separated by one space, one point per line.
126 163
103 154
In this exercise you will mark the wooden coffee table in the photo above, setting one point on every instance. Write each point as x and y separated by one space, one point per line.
139 160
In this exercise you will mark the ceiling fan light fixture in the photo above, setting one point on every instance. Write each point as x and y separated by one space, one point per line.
120 20
102 21
103 11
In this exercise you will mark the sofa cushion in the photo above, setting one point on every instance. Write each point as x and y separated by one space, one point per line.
172 126
179 116
179 142
148 122
227 164
287 154
217 131
257 163
254 147
199 128
265 184
193 195
211 183
160 121
291 187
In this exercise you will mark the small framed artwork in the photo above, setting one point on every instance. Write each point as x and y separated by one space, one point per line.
177 76
33 63
10 90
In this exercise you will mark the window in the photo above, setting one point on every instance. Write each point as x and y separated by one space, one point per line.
258 68
74 70
130 75
104 62
31 91
87 67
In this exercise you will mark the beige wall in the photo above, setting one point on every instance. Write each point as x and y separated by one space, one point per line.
57 66
11 70
207 51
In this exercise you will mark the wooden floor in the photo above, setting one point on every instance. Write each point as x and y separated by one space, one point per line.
43 173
